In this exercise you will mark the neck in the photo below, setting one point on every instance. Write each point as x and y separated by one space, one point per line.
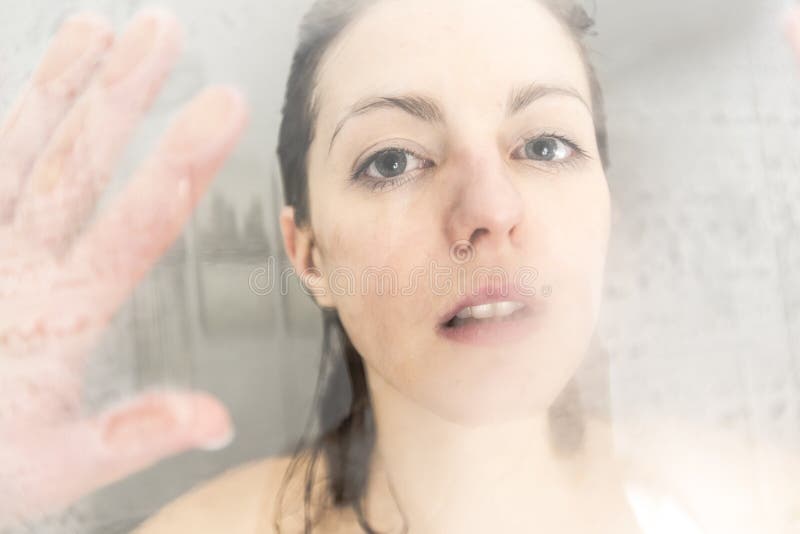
446 477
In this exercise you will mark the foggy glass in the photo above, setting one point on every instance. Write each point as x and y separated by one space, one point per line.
701 306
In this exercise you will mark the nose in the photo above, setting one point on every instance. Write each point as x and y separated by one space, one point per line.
486 207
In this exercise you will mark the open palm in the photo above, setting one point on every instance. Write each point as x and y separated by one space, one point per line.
63 274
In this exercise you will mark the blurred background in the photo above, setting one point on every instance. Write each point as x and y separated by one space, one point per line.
701 315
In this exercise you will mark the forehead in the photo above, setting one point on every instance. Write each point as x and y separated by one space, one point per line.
457 51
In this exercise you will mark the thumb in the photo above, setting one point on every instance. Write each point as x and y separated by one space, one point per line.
46 469
156 424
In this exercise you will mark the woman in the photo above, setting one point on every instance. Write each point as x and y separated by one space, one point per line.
481 152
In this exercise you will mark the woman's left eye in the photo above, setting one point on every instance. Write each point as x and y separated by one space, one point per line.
549 148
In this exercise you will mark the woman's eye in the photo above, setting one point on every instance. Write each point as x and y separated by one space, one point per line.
547 149
391 163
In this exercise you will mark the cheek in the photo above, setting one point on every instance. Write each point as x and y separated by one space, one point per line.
593 234
582 246
370 271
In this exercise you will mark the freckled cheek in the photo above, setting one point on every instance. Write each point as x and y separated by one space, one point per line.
382 330
389 301
350 259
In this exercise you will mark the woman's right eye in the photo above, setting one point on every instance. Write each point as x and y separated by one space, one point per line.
389 165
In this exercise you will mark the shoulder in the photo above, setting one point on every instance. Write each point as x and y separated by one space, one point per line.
238 500
728 481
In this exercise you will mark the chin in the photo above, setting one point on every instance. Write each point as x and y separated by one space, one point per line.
480 412
496 395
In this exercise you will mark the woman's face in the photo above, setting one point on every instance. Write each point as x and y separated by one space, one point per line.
467 163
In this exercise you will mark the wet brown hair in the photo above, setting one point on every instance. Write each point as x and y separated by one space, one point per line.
347 445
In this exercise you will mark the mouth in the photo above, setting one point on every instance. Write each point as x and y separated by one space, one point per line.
492 323
493 312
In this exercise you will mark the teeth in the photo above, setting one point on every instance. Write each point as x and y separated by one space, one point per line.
484 311
501 309
487 311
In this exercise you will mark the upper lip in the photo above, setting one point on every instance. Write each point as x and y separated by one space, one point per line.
487 294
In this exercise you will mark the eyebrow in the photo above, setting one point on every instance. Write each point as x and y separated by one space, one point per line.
426 109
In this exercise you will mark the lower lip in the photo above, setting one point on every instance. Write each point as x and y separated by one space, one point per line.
508 330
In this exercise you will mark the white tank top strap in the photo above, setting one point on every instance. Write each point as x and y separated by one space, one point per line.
659 514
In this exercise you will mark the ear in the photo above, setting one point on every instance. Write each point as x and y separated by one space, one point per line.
303 253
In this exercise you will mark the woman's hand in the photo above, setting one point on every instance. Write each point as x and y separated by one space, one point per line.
62 278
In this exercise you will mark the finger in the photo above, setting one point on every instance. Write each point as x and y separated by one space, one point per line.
793 30
75 165
66 67
125 240
51 467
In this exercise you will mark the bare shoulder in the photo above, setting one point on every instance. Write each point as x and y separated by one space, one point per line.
237 501
729 481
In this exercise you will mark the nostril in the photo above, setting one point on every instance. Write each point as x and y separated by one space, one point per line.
478 232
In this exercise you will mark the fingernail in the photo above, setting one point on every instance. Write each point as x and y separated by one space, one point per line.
204 418
78 36
205 123
136 44
219 443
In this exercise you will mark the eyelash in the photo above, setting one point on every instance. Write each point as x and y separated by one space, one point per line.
572 161
375 184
